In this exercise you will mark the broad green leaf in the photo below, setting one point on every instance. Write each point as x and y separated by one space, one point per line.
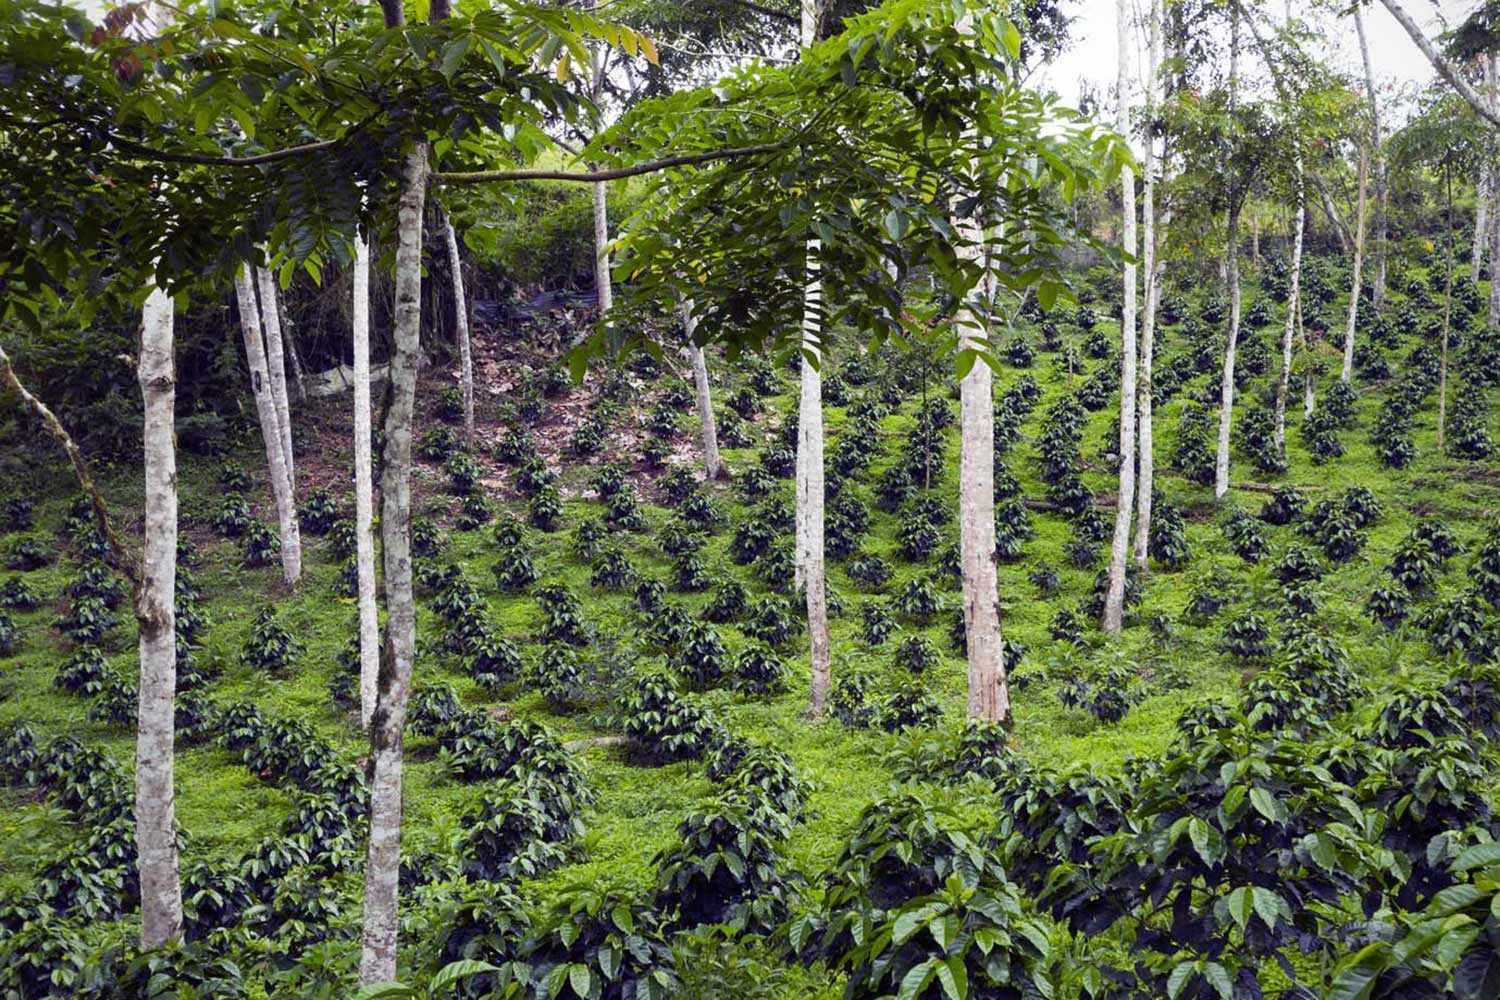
453 972
1268 805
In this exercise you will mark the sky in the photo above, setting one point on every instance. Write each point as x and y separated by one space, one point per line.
1093 55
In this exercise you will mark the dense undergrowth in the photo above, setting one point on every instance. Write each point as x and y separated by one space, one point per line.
1276 782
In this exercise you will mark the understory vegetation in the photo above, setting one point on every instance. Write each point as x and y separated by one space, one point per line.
1280 774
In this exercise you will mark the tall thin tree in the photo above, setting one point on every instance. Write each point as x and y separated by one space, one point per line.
1231 277
1377 146
709 430
270 323
1119 552
1359 262
1153 270
155 612
378 944
461 328
270 427
809 506
364 503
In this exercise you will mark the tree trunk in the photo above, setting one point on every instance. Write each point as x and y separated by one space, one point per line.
297 386
814 579
1481 219
1492 87
1378 253
1232 279
382 862
364 504
270 321
1119 552
1340 228
1145 458
810 565
465 350
1493 321
711 465
270 429
1226 390
1359 263
1293 301
602 281
1442 419
1309 395
156 827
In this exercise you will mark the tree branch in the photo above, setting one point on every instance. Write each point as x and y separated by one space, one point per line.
619 173
1445 68
128 562
771 12
260 159
1340 227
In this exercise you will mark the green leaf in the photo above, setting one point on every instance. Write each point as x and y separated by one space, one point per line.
916 980
453 972
1178 980
1010 37
1218 978
907 924
1207 841
1269 906
581 979
1478 856
1453 899
453 56
949 984
1241 906
1358 976
1268 805
897 224
385 991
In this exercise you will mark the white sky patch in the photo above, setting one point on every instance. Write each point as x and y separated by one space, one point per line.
1091 61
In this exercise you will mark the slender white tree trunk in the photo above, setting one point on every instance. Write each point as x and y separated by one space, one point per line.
465 350
1309 395
1232 279
1377 284
809 506
156 833
270 321
810 563
1226 390
364 503
814 579
1146 459
297 385
1481 219
1493 322
1119 551
988 686
1442 419
383 859
1359 263
601 248
1293 303
711 463
270 428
